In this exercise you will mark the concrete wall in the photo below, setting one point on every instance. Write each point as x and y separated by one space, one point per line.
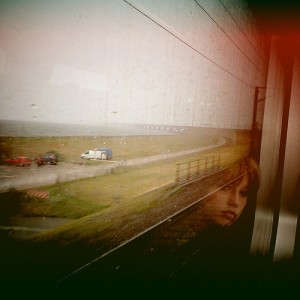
170 62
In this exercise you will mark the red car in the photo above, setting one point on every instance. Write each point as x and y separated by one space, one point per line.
19 161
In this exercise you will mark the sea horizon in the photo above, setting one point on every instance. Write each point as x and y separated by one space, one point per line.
15 128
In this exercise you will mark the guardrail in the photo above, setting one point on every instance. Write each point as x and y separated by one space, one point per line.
195 169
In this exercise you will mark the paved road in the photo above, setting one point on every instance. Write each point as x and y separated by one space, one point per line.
21 178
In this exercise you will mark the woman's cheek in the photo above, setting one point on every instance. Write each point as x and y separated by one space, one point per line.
243 203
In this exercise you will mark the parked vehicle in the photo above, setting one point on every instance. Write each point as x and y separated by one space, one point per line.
47 158
100 153
19 161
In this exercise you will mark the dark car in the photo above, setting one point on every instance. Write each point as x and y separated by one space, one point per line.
48 158
19 161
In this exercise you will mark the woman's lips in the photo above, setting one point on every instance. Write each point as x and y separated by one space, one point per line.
229 214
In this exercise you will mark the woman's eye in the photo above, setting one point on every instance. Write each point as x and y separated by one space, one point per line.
225 188
244 193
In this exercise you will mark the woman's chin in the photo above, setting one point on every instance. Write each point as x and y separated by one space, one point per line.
225 222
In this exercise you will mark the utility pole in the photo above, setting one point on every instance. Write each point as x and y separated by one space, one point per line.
255 131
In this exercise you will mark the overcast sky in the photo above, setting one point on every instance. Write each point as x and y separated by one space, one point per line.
50 67
98 61
86 62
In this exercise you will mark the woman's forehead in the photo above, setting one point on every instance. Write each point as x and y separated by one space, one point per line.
244 181
241 181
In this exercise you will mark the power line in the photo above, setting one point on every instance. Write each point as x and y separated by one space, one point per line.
243 32
226 34
194 49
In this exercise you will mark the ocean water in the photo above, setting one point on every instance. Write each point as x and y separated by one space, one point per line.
29 129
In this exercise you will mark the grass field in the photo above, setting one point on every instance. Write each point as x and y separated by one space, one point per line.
79 198
124 147
106 202
129 190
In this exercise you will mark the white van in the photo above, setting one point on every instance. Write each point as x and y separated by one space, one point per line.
102 153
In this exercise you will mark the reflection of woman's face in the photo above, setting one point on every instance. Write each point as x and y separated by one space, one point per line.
226 205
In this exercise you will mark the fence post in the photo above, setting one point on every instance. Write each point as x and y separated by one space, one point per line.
210 164
189 171
177 173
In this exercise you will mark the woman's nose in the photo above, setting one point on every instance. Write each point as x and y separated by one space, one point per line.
233 198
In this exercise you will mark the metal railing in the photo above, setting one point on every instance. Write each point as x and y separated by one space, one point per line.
195 169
